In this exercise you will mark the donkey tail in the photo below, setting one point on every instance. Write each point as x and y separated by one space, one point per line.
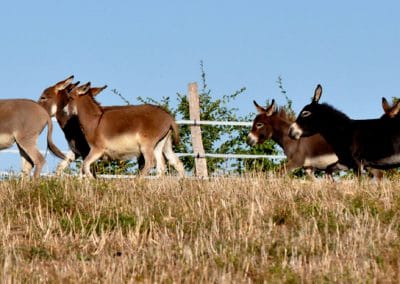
175 129
50 145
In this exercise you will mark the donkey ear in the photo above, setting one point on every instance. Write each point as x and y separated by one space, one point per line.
385 105
96 91
271 109
259 108
72 86
395 110
317 94
84 89
64 83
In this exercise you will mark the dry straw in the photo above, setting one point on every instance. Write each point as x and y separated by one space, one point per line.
247 229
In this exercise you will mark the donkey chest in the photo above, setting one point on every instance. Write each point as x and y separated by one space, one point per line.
123 147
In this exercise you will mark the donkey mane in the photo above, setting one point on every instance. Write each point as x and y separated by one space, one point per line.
327 108
282 113
95 101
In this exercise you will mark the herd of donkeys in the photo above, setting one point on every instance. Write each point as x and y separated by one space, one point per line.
320 138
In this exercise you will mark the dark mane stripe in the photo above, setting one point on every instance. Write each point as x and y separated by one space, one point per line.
282 113
327 108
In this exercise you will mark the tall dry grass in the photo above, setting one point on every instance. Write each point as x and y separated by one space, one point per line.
248 229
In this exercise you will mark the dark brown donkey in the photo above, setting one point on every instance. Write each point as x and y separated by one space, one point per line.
54 99
310 153
125 132
370 143
390 111
22 121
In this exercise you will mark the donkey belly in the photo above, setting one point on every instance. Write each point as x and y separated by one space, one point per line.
123 147
6 140
320 162
391 161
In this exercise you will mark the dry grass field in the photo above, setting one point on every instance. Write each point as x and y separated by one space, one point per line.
222 230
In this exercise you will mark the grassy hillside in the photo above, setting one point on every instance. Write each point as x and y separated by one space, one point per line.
220 230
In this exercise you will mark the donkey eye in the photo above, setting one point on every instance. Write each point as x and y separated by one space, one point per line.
306 113
43 98
259 125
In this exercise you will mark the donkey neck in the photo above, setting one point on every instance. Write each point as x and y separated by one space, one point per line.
280 132
338 129
61 115
89 114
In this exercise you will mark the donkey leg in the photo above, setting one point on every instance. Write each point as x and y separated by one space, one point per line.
376 173
287 168
26 164
309 173
172 158
158 154
93 156
69 157
148 155
29 151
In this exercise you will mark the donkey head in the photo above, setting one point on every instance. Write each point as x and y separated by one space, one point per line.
262 129
53 96
83 96
74 97
390 111
308 120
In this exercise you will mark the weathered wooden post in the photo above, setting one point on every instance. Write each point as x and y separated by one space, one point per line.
200 161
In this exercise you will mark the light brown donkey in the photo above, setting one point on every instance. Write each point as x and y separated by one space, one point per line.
124 132
22 121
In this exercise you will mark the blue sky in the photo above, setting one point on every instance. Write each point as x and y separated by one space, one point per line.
153 49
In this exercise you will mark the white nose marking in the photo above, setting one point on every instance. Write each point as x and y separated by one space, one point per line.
252 138
295 131
53 110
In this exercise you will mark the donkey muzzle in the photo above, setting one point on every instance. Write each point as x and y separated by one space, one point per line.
251 139
295 131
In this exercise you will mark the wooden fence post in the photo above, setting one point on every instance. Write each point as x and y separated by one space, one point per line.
195 130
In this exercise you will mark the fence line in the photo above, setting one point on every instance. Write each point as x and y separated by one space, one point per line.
206 155
207 122
196 155
215 123
199 155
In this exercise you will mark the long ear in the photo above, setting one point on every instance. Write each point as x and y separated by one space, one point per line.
96 91
64 83
259 108
72 86
84 89
317 94
271 109
385 106
395 110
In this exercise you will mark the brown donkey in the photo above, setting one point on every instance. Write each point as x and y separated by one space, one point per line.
310 153
54 99
125 131
22 121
